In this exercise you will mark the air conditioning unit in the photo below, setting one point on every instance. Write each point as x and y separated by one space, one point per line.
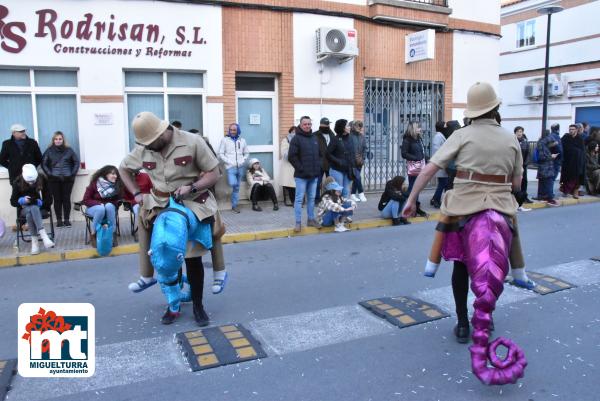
556 88
337 43
533 91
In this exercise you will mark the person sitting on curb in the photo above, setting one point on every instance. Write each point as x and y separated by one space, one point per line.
333 208
392 200
102 200
259 185
30 193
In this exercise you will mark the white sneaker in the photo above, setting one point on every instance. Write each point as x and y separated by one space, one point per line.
340 228
47 241
35 247
362 197
355 198
523 209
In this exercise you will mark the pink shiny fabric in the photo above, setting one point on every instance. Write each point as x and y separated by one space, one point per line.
483 245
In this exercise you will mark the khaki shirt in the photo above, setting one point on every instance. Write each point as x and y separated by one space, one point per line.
486 148
187 155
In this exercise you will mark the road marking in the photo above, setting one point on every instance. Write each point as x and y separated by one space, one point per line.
152 358
304 331
116 364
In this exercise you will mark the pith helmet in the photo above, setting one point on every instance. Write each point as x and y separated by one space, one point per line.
147 127
481 98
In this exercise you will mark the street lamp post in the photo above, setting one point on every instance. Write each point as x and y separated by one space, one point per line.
549 10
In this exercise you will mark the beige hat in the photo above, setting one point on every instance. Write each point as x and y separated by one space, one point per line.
147 127
17 127
481 98
30 173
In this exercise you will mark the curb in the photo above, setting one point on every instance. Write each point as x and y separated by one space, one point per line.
236 238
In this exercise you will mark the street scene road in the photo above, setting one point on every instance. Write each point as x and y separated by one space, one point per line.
299 296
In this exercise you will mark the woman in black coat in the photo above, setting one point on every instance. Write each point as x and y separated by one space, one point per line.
573 165
341 157
60 163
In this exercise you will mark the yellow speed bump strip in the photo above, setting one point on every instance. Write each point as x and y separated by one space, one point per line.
404 311
8 368
218 346
547 284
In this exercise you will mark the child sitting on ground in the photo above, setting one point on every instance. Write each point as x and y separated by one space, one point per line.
333 209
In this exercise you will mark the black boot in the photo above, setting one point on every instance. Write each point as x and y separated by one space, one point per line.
169 317
400 221
462 333
200 316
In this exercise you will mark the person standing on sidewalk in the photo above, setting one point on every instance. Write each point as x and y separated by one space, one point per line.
573 167
286 170
233 151
325 136
555 133
305 155
360 152
545 172
522 195
18 151
442 175
180 165
341 157
413 151
60 163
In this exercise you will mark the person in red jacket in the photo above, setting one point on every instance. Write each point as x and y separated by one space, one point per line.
102 199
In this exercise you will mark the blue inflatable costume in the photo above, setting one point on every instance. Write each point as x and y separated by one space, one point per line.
173 228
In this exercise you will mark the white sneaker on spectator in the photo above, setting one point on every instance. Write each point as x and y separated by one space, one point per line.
362 197
35 247
523 209
340 228
355 198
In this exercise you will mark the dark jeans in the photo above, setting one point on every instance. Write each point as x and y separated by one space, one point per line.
411 183
460 289
546 188
259 192
442 184
357 186
524 181
61 195
319 182
195 275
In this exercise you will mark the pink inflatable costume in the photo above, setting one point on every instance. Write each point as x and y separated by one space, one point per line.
483 246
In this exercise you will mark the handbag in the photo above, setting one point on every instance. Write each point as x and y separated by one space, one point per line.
104 238
415 167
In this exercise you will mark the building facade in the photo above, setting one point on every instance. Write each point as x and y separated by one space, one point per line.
86 68
574 74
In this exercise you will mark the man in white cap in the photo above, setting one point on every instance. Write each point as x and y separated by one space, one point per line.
181 165
489 168
19 150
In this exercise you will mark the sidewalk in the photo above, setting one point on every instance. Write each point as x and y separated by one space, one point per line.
246 226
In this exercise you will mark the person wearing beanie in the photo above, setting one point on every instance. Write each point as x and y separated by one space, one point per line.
333 208
30 196
19 150
233 151
259 185
341 157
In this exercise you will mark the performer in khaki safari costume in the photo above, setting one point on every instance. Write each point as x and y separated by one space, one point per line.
489 168
179 164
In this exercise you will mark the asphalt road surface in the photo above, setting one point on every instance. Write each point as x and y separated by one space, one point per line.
299 297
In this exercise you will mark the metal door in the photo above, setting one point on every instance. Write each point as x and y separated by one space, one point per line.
389 107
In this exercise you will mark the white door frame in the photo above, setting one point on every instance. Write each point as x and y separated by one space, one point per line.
274 148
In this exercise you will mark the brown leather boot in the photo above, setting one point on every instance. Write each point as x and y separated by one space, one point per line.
115 242
93 240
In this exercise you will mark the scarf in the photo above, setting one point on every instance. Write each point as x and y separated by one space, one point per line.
105 188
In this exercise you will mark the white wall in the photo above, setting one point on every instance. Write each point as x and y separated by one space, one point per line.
316 112
103 74
487 11
337 79
475 58
572 23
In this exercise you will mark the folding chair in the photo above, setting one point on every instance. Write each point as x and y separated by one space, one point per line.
128 206
21 220
79 206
